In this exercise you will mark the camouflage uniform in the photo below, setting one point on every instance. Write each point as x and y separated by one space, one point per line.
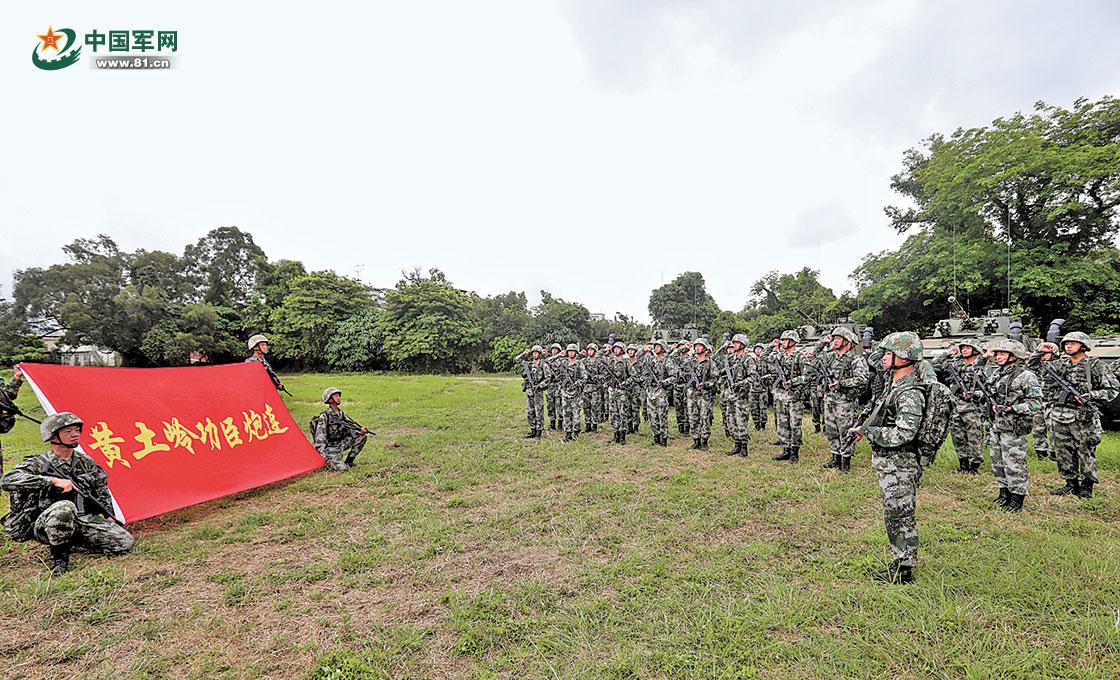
849 371
728 394
618 382
701 393
535 381
759 392
42 512
744 373
1016 388
592 392
1076 428
8 394
267 367
635 391
789 399
679 357
553 390
571 376
966 422
337 439
661 377
815 388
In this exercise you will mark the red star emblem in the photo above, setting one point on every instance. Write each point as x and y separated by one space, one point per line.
50 39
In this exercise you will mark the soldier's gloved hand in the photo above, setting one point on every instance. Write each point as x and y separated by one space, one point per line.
63 485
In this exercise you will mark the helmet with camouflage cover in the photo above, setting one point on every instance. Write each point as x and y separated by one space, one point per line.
1078 336
593 346
791 335
555 345
256 340
1012 347
618 344
904 344
631 347
537 348
758 344
742 339
572 347
703 342
846 333
330 392
658 341
53 423
973 343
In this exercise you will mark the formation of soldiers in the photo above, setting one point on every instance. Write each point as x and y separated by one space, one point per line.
891 395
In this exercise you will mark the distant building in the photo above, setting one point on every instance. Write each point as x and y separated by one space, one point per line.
82 355
598 316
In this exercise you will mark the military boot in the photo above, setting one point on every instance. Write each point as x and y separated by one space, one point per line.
1014 502
974 468
703 443
532 435
834 463
793 454
622 436
846 464
1004 496
665 440
817 427
1086 490
896 573
784 455
60 559
1042 455
1071 488
735 451
965 466
568 437
587 427
743 449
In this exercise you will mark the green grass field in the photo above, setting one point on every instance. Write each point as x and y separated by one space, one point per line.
458 550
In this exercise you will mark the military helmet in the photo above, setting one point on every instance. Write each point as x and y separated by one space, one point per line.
572 347
256 340
618 344
1048 348
1078 336
791 335
759 344
593 346
53 423
742 339
702 341
330 392
537 348
905 344
1012 347
846 333
555 345
631 346
971 342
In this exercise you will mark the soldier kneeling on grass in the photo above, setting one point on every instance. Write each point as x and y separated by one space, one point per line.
61 498
336 437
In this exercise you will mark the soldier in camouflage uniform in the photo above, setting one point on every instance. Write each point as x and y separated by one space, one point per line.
634 390
1017 397
47 506
723 360
960 373
8 394
815 359
744 373
556 355
336 437
572 376
846 376
645 358
618 382
258 348
760 389
789 366
892 431
1075 422
679 357
703 381
536 377
592 390
661 377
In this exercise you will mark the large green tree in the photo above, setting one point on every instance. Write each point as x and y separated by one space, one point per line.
428 324
780 302
684 301
557 320
315 303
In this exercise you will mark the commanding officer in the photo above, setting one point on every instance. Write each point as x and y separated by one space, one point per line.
892 430
61 498
258 348
1074 382
846 376
336 437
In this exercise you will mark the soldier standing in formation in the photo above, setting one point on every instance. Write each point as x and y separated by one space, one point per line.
618 382
744 377
61 498
592 390
788 365
258 348
1073 383
703 381
1017 397
679 357
849 375
634 390
537 376
572 376
960 371
336 437
760 390
554 358
662 378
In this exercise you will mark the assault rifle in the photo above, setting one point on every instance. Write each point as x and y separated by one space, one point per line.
727 373
989 396
82 496
15 411
781 371
351 424
956 376
1068 388
861 420
528 375
566 372
823 373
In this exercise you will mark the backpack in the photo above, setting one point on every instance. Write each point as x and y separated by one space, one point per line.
934 427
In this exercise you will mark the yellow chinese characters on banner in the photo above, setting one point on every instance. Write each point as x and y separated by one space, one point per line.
204 434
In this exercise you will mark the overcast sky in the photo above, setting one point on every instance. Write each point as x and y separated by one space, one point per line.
594 149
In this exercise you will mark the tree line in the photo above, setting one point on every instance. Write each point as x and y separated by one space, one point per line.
1038 190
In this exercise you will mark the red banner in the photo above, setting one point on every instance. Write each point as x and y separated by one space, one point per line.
173 437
